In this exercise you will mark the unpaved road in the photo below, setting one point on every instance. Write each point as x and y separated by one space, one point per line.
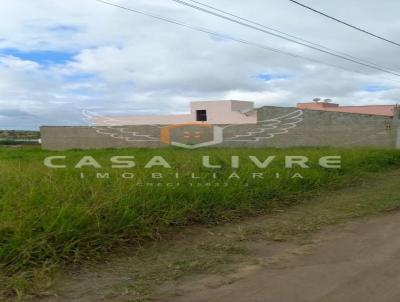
355 262
276 257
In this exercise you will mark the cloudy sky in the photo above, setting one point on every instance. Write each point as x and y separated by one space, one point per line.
58 57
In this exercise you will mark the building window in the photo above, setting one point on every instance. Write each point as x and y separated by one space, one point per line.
201 115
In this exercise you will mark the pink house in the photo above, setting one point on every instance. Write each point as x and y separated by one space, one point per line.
232 112
384 110
210 112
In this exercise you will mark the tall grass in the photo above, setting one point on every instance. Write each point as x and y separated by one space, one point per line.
52 216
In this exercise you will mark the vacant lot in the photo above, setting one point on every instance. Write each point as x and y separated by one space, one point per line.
51 217
313 251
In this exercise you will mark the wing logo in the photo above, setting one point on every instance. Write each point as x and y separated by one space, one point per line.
195 135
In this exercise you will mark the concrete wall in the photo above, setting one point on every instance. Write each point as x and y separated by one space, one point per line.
396 124
317 128
64 138
143 120
320 128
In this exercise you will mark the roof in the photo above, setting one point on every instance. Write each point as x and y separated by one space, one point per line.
383 110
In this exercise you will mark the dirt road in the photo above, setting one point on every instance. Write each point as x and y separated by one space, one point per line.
356 262
343 246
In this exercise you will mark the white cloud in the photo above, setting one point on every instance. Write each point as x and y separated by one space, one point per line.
128 63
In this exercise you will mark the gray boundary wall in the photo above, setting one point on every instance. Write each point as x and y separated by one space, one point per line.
318 128
396 124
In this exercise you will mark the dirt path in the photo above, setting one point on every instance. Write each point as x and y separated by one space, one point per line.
308 252
358 262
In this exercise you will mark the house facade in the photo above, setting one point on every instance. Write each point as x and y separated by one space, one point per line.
382 110
210 112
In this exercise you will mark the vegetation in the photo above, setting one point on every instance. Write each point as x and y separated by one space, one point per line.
50 217
16 134
217 255
18 142
14 137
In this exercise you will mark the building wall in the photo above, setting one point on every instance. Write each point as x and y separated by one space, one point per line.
218 112
317 106
385 110
225 112
318 128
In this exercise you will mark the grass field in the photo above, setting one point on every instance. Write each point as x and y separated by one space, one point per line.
209 257
51 217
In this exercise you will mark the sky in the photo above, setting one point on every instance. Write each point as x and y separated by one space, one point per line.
58 58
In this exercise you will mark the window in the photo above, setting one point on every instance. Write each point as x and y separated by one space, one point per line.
201 115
